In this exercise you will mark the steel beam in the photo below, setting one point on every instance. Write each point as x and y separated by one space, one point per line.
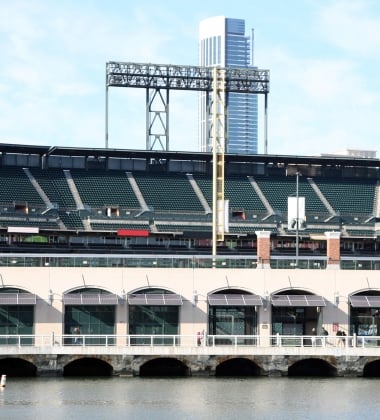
166 76
215 81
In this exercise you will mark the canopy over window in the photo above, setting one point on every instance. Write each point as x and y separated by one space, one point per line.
17 299
161 299
365 301
234 300
298 300
90 299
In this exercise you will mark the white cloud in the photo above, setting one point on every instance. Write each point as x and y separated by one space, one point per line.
353 26
324 88
319 105
53 68
324 96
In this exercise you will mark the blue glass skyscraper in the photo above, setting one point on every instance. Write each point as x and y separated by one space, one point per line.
223 43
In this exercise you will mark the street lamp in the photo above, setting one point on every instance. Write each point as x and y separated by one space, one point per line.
297 217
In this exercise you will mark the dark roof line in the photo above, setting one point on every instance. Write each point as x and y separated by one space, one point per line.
267 159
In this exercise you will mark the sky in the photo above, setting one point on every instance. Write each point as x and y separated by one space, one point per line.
323 57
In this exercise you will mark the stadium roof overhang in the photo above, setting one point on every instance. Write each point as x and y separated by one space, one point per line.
24 149
266 159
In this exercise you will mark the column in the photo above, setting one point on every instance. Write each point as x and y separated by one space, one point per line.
263 248
333 250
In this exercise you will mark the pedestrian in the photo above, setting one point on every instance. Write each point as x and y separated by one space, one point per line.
325 333
342 340
344 335
199 338
204 337
76 332
313 338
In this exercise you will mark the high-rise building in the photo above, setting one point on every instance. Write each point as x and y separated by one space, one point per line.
223 43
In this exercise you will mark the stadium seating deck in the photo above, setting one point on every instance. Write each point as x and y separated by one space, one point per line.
278 189
173 205
17 188
349 195
100 188
54 184
168 192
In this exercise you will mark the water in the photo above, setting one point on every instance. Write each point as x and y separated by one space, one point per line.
190 398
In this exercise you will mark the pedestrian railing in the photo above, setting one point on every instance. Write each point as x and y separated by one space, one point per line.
135 340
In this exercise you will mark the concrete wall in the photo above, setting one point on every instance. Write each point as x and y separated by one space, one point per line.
203 365
187 282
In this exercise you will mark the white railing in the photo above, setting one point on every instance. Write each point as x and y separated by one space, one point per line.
181 341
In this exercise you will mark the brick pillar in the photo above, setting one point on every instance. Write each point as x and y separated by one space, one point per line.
333 249
263 248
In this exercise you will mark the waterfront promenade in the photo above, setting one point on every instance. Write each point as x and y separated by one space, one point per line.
187 344
259 355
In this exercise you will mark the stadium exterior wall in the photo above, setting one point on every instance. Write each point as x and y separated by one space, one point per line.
334 285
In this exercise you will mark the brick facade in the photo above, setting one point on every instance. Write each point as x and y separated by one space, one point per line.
263 248
333 248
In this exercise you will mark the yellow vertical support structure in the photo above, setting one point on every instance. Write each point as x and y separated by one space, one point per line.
218 146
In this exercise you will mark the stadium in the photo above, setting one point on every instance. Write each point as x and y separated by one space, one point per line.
118 242
122 248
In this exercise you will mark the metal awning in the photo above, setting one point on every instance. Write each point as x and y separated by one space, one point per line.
365 301
17 299
234 300
161 299
90 299
298 300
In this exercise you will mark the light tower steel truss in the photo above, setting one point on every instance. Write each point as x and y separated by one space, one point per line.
218 147
157 77
215 81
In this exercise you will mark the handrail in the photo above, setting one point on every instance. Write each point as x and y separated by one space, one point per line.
188 341
189 261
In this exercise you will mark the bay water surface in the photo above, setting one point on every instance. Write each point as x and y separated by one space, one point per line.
190 398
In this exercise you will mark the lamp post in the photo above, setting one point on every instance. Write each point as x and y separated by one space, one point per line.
297 217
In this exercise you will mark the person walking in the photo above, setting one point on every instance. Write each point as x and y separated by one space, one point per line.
325 333
313 337
76 332
199 338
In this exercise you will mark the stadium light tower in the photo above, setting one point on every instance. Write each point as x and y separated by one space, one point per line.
159 79
218 133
